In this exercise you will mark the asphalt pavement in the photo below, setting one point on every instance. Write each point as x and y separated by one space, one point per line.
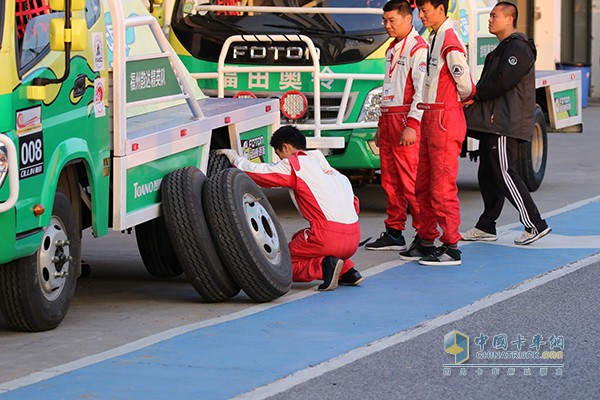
129 336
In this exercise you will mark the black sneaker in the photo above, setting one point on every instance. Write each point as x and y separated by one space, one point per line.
417 250
351 278
331 267
391 239
442 255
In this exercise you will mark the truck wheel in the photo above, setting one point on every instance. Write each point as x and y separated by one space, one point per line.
534 155
156 250
249 237
36 291
191 239
216 163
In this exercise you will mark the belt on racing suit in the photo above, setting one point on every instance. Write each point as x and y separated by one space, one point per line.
404 109
439 106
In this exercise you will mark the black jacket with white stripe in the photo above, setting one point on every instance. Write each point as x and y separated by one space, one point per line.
505 99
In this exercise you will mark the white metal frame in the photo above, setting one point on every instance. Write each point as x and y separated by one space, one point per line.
119 25
318 126
122 160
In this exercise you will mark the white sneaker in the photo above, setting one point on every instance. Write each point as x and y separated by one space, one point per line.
530 237
475 234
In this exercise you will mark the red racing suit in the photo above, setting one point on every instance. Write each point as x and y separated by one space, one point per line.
406 62
325 198
443 129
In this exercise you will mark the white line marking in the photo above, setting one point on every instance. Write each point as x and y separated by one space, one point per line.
159 337
168 334
299 377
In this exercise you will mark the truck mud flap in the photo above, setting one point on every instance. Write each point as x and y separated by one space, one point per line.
184 217
248 235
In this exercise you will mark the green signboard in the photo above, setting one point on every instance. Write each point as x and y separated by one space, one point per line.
565 103
484 47
149 79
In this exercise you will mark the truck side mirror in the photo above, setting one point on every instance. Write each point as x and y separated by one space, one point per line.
58 34
59 5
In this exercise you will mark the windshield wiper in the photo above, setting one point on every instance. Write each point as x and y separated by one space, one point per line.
304 29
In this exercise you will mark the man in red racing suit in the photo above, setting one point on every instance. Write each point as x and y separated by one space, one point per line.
399 131
443 129
324 197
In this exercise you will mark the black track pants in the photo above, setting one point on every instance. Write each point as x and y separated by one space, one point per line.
498 179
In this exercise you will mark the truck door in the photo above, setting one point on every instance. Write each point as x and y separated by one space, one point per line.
71 114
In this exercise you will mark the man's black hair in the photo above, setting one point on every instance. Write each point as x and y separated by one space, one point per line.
402 7
510 10
290 135
435 4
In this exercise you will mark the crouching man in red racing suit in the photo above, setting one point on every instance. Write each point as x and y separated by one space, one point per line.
324 197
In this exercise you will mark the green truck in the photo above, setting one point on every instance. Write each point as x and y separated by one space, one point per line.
103 128
324 60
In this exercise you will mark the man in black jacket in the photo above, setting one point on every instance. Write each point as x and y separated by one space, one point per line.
501 117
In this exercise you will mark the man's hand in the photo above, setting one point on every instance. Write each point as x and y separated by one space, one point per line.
376 138
231 155
408 137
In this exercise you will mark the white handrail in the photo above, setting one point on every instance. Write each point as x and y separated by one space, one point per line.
315 69
13 174
119 26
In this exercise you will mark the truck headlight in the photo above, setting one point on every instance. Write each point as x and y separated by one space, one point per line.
370 111
3 164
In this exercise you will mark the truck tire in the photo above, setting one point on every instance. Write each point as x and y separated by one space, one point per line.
534 155
190 236
216 163
36 291
156 250
249 238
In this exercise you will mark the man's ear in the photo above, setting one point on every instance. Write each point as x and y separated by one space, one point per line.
288 148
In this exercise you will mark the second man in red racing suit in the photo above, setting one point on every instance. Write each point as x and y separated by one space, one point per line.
443 128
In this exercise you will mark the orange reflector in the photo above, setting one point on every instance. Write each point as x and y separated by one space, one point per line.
135 147
227 120
38 210
183 132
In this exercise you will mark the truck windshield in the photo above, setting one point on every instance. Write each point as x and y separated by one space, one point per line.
340 38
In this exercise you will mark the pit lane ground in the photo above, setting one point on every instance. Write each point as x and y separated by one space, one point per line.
130 336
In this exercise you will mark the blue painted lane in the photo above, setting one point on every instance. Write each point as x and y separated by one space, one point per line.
230 358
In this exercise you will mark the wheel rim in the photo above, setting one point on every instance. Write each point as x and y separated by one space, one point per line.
54 257
263 228
537 148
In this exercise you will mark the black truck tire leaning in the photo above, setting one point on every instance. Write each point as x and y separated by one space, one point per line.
533 155
36 291
248 235
156 249
190 236
216 163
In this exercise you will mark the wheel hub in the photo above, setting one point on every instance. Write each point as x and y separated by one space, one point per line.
54 257
262 228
